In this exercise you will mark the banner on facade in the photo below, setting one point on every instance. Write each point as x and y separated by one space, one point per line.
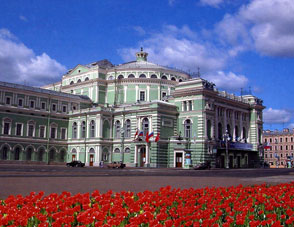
240 146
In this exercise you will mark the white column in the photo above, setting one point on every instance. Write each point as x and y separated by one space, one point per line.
97 93
137 91
148 93
136 155
79 130
87 158
125 94
98 127
98 154
78 153
147 155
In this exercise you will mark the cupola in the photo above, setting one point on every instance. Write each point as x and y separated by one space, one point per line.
141 56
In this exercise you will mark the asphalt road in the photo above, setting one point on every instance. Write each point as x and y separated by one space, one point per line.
22 179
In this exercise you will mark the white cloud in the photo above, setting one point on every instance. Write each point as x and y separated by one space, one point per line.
276 116
23 18
20 64
213 3
228 81
181 48
266 25
139 30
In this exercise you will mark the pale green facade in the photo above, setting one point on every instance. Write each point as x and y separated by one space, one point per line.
190 116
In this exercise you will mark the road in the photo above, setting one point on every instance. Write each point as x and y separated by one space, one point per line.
22 179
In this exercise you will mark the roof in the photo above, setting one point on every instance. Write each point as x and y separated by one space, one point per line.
146 65
41 90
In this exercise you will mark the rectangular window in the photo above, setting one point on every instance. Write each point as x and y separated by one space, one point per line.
281 140
53 107
53 133
265 155
184 106
63 133
142 95
43 105
32 104
281 148
8 100
6 128
190 105
271 155
42 131
64 109
31 131
18 129
20 102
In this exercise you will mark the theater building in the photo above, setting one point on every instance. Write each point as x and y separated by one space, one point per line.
141 113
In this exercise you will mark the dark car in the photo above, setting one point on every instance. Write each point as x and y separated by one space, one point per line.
116 165
75 164
205 165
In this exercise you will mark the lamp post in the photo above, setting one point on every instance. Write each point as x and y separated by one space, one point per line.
226 137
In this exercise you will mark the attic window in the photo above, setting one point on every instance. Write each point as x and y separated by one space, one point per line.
79 81
79 70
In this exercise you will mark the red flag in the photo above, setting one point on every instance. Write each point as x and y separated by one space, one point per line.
157 137
136 134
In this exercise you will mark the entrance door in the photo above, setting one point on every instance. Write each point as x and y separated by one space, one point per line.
142 156
238 161
231 162
91 159
73 157
179 160
222 161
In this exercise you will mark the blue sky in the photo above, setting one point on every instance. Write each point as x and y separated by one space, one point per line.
236 43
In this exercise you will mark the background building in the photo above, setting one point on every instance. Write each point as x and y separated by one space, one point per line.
279 150
100 109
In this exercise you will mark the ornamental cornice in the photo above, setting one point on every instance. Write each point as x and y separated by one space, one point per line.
144 81
83 83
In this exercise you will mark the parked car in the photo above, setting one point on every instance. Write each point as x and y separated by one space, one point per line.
204 165
75 164
116 165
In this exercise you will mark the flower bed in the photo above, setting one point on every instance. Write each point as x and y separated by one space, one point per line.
258 205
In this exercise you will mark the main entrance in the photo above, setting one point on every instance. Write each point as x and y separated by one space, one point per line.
73 157
179 159
91 159
142 156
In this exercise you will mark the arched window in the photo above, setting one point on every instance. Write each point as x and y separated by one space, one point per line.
7 126
62 155
74 130
208 129
40 154
31 128
120 77
71 82
79 81
180 80
87 78
164 78
142 76
116 150
128 129
174 79
220 131
106 129
236 133
16 153
92 151
117 130
229 130
131 76
244 135
145 126
92 128
4 153
29 154
188 128
153 76
83 129
110 78
52 154
127 150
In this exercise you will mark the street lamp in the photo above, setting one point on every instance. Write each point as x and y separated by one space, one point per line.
226 138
